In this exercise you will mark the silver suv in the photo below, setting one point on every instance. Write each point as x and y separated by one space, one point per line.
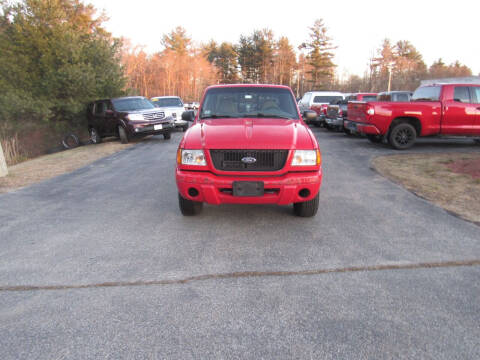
172 106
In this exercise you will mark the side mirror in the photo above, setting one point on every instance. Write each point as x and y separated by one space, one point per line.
309 115
188 115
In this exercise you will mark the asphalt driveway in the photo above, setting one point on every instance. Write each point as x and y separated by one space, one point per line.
99 263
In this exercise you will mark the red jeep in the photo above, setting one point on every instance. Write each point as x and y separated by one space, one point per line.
248 145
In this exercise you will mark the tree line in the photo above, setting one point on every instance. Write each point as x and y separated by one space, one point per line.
55 56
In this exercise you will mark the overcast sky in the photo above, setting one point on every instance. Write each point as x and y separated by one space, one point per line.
446 29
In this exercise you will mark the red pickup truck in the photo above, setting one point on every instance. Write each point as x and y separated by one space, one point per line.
248 145
434 110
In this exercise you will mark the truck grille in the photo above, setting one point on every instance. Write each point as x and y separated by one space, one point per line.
266 160
154 116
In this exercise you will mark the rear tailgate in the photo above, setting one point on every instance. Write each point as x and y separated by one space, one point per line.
319 108
332 111
357 111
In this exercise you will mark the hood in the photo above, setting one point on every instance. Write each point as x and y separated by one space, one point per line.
249 134
171 108
143 111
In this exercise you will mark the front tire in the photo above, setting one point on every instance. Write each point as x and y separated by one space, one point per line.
167 135
122 133
402 136
476 141
307 208
347 131
189 207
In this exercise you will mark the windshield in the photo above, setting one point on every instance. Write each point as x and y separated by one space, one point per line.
167 102
326 99
132 104
427 93
241 102
370 98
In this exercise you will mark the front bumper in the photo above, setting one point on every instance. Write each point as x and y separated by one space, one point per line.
180 123
281 190
149 128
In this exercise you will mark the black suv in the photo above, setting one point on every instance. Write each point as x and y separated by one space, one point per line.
125 118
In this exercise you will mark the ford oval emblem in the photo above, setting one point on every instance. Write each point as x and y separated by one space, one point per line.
249 160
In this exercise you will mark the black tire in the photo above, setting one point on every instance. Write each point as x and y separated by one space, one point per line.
167 135
95 137
189 207
402 136
316 124
476 141
347 131
307 208
122 134
184 128
376 139
70 141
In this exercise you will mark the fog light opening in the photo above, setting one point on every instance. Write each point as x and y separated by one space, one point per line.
193 192
304 193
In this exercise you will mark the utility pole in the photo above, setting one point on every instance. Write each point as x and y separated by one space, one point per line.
3 163
389 67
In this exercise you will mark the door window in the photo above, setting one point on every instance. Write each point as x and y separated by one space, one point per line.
402 97
461 94
99 108
475 92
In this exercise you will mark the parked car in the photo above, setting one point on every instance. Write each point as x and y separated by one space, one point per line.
126 117
318 101
396 96
434 110
172 106
192 105
336 117
249 145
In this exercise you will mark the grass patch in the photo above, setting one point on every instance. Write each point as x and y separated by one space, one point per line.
433 177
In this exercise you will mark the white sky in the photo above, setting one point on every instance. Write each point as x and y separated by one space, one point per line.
446 29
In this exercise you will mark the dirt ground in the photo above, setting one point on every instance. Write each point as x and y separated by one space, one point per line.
451 181
48 166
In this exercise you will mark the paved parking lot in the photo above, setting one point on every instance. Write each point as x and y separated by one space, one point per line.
94 264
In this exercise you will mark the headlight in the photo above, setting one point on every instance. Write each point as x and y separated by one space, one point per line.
192 157
135 117
306 158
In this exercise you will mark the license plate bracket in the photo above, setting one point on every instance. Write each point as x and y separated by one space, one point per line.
157 127
248 188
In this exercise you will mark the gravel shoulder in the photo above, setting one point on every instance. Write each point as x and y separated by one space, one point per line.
448 180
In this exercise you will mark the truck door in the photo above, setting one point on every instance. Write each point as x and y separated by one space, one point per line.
459 112
99 117
110 119
475 93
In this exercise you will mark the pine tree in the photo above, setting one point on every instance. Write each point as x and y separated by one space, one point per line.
320 56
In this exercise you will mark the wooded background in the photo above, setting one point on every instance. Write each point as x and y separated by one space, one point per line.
56 56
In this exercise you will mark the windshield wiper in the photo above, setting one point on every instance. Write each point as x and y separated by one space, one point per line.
262 115
215 116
